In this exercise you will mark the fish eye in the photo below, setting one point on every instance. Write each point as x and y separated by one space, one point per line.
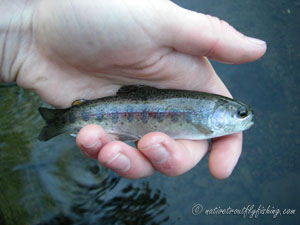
242 112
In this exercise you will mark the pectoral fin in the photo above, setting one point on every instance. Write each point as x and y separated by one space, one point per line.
203 129
125 137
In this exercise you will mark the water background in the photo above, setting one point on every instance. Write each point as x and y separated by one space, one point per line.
52 183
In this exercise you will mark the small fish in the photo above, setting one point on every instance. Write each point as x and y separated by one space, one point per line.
137 110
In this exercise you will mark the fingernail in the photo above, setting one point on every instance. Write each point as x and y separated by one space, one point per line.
256 41
156 153
119 163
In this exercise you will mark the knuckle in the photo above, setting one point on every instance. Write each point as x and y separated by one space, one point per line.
218 29
215 25
173 167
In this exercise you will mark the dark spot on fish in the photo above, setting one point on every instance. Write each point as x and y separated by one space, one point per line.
174 116
160 116
129 116
99 115
145 116
72 118
85 116
114 117
188 117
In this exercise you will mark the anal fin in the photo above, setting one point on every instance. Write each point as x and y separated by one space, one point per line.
73 135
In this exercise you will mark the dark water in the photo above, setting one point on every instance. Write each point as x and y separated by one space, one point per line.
52 183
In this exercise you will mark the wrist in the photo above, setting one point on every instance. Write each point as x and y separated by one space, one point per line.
15 36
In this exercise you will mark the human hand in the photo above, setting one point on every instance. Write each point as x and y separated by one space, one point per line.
88 49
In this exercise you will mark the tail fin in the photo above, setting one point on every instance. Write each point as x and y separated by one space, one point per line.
54 122
49 115
49 132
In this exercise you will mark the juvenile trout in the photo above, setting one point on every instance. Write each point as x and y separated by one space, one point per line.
137 110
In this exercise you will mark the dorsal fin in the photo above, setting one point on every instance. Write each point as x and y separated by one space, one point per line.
135 89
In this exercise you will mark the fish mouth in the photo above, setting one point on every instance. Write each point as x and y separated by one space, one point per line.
247 123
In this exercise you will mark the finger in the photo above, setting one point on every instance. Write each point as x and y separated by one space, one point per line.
224 155
171 157
125 160
203 35
91 139
191 73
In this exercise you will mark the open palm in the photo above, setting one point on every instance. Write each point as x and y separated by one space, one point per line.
86 49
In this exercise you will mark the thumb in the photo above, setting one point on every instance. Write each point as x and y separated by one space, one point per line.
203 35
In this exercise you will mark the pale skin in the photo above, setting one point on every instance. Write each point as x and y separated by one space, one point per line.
85 49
